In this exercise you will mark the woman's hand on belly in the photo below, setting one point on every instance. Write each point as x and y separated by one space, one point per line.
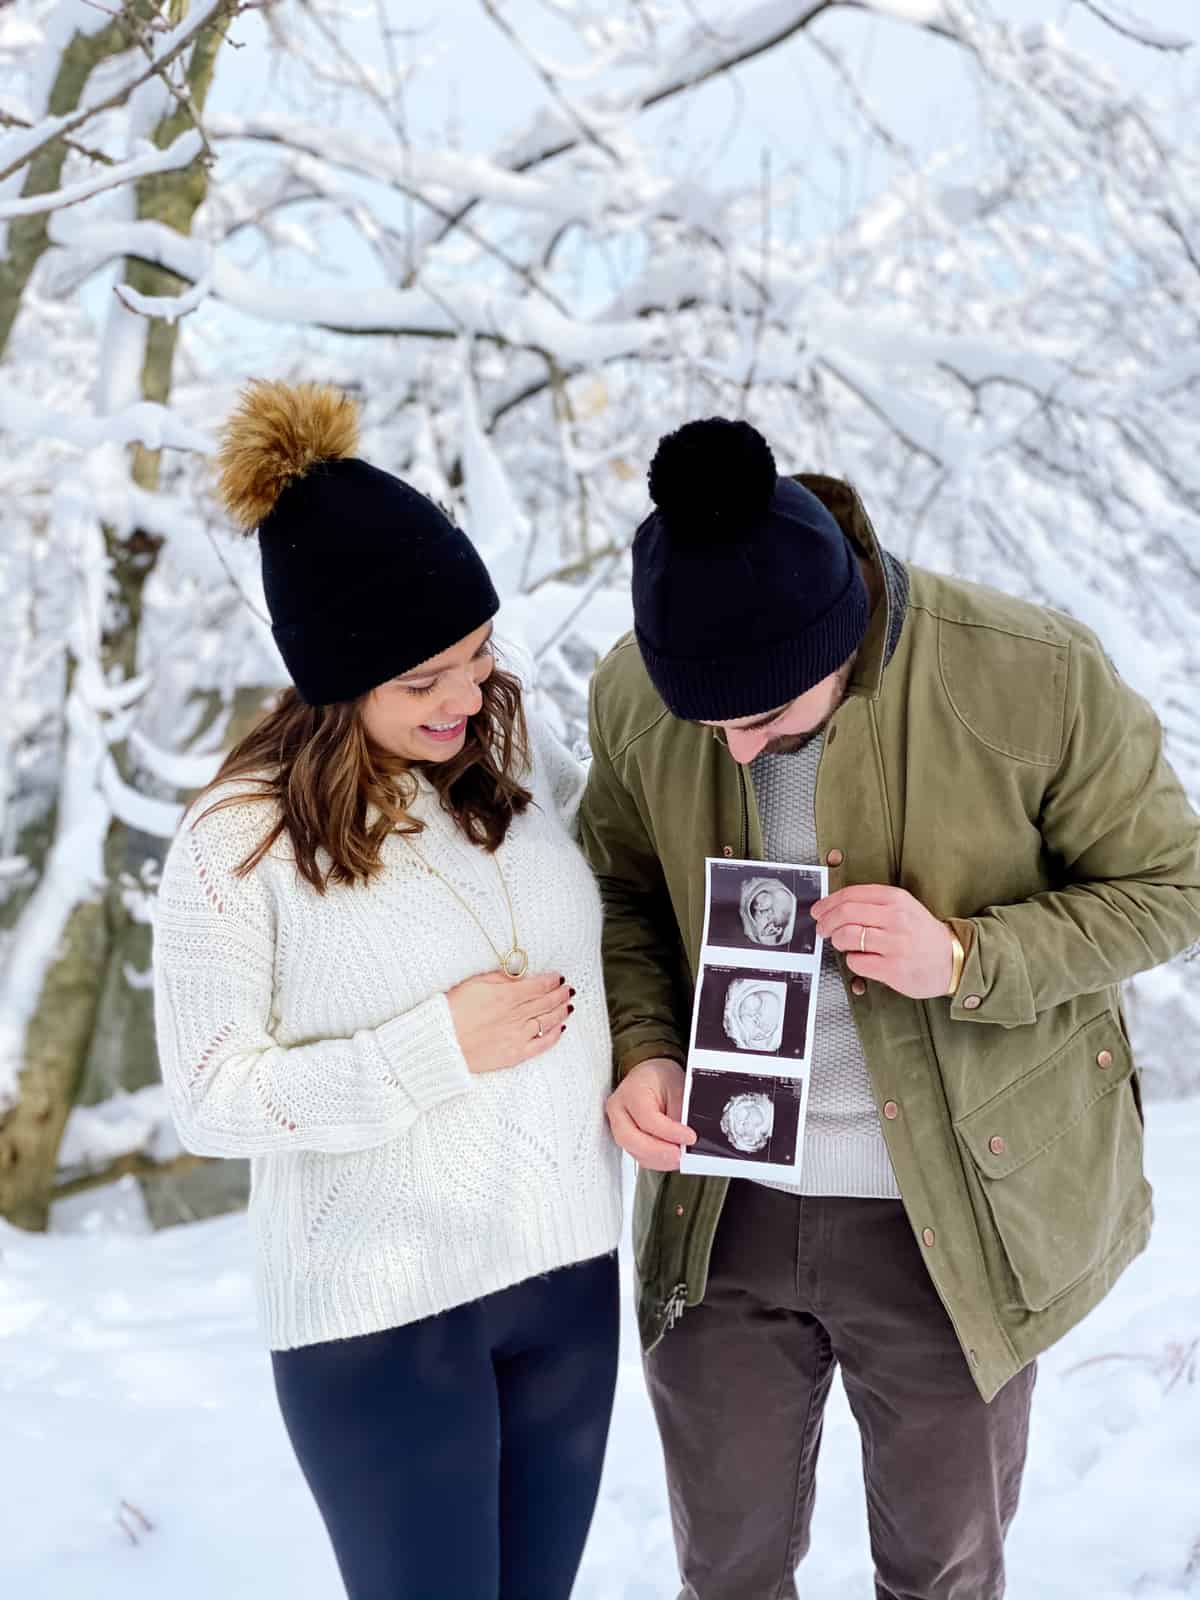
501 1021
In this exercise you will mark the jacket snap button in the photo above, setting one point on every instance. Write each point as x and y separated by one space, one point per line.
1104 1059
859 987
927 1236
834 858
891 1110
972 1003
678 1211
726 849
997 1145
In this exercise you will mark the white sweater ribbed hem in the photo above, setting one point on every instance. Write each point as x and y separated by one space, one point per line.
296 1310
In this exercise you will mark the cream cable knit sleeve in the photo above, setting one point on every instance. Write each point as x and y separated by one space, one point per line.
563 776
233 1090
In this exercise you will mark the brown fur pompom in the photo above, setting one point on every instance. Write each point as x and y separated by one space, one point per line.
277 432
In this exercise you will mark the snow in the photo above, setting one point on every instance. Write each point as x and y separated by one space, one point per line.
170 766
921 12
181 153
448 170
159 818
128 1124
169 307
144 422
495 520
134 1387
20 146
455 308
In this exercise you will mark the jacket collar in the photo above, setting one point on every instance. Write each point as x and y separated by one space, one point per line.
887 617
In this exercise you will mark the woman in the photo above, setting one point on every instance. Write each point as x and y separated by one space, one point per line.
367 941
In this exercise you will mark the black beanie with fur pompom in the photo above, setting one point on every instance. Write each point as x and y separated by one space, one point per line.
365 577
746 593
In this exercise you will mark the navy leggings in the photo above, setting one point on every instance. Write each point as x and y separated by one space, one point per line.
458 1458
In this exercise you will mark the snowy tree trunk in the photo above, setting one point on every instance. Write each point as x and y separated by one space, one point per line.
28 237
89 1022
56 1044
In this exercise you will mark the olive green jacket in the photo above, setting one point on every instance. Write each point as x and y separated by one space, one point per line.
989 760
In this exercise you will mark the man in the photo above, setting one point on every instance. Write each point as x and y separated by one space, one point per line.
1005 846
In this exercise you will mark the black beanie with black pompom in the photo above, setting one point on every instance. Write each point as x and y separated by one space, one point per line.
746 593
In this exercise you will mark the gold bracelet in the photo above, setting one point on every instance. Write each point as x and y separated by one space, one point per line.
960 961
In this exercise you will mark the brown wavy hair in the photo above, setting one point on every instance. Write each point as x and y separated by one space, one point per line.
324 772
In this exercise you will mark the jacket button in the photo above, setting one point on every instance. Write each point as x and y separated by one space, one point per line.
1104 1059
927 1237
972 1002
678 1211
859 987
726 849
834 858
891 1110
997 1145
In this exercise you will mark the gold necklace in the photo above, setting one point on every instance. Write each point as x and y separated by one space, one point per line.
514 963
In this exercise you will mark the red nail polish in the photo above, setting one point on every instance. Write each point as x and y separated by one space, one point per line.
569 1011
572 994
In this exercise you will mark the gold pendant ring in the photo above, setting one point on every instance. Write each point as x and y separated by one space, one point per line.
515 964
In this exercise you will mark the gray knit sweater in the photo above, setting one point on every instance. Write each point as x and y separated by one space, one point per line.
844 1151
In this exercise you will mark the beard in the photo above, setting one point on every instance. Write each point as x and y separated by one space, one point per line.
789 744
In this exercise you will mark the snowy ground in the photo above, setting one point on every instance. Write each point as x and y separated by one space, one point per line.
133 1387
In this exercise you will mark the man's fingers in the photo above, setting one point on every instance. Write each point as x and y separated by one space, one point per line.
649 1119
656 1154
849 940
875 967
653 1120
853 918
863 894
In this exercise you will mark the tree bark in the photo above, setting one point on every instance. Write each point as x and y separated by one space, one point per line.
28 237
56 1043
85 997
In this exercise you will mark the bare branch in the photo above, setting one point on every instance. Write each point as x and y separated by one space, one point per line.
1140 32
568 107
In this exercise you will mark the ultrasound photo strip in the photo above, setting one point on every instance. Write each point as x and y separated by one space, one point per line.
762 911
746 1126
754 1018
751 1011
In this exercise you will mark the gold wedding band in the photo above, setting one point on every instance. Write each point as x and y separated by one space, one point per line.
541 1030
862 943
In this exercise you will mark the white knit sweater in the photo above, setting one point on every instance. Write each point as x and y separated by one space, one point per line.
312 1034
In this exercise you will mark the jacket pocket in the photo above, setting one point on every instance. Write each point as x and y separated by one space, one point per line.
1059 1158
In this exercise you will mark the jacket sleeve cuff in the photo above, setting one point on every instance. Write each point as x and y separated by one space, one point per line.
648 1050
424 1054
995 985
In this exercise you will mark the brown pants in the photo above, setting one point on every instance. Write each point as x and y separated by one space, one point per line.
739 1386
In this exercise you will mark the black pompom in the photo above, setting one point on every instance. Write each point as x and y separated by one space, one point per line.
711 478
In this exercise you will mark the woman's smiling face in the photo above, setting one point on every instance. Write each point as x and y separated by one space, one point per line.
423 714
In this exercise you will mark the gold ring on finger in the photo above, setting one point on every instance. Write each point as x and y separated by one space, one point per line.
862 943
541 1030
